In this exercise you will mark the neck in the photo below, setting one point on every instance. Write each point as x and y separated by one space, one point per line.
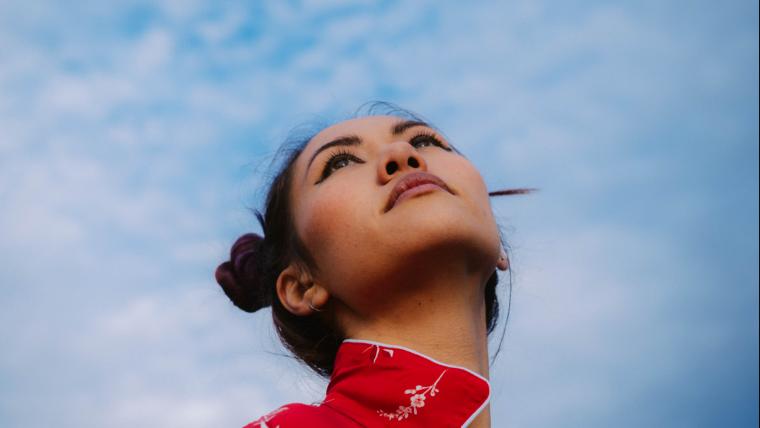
444 320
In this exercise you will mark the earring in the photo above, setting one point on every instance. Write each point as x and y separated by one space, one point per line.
313 308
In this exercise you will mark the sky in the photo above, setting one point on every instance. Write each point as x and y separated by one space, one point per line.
135 136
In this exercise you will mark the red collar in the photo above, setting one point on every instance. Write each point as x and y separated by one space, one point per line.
377 385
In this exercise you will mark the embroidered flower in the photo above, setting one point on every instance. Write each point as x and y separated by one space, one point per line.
262 422
377 352
416 401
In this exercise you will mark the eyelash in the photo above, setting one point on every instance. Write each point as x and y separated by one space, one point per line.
425 136
329 163
345 155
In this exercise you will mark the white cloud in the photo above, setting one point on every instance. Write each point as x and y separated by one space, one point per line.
123 146
151 52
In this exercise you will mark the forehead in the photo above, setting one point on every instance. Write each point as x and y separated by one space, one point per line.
359 126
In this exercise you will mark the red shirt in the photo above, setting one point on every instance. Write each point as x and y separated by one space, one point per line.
379 385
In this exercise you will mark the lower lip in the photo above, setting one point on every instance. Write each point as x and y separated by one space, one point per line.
416 190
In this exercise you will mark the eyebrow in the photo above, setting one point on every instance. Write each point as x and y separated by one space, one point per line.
400 127
354 140
346 140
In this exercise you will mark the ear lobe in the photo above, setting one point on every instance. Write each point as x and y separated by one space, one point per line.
296 291
503 262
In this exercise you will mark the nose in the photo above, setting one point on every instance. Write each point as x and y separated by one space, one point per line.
397 158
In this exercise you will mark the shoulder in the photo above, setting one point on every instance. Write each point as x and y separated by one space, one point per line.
300 415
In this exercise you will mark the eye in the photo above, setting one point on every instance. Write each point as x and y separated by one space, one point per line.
335 162
426 140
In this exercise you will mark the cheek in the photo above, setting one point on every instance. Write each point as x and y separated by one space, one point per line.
474 192
470 185
332 222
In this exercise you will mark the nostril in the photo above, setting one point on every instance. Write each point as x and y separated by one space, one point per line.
414 163
391 167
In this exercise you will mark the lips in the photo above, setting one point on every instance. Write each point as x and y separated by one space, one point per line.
416 182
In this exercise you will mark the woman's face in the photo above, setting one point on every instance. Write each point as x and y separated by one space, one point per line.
365 246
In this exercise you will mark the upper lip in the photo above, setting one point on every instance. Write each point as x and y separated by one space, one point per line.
413 180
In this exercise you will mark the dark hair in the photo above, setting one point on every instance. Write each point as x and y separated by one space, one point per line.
249 277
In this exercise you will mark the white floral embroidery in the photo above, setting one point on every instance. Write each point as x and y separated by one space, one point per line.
268 417
377 351
416 401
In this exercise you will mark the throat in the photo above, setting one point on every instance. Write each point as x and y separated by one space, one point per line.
451 330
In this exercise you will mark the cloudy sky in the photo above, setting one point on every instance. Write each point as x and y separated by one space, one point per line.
135 135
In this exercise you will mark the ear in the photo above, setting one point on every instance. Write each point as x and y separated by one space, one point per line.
503 262
298 292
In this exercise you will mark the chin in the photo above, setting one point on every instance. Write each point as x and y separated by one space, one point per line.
424 225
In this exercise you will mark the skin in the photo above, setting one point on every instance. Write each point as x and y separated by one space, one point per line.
412 276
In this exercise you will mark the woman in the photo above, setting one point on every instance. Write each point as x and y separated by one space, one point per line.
379 261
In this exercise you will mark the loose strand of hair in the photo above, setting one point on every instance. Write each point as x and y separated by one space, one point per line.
507 192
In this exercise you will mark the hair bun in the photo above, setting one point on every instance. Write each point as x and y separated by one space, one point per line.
240 276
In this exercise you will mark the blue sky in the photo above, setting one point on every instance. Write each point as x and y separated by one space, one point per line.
133 135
